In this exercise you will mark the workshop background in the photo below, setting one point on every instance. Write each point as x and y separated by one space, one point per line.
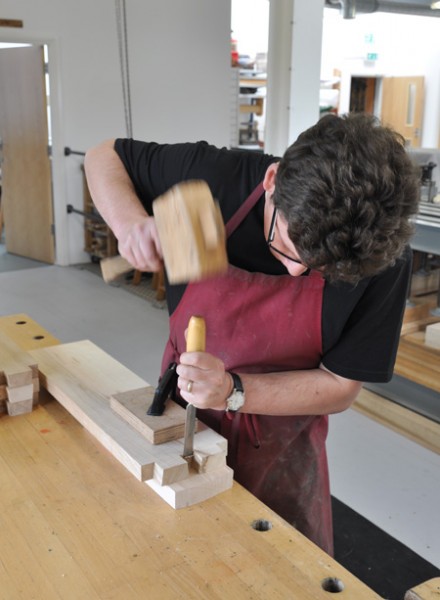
249 73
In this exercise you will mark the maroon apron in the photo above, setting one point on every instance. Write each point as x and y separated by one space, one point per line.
257 323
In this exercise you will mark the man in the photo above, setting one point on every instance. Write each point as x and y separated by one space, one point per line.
311 305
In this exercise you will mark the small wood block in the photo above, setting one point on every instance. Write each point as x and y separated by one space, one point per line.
17 376
197 488
21 393
191 232
3 392
432 335
19 408
133 405
17 367
210 450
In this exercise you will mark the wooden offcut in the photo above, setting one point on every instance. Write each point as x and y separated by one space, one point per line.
132 406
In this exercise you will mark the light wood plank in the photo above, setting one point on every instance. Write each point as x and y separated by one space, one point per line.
83 378
133 405
400 419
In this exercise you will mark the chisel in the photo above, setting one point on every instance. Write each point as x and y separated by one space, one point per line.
195 342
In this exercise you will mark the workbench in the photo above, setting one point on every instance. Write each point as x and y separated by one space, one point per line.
76 524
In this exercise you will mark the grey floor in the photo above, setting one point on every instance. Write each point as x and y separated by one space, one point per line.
388 479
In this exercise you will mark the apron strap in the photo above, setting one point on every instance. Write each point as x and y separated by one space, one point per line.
244 209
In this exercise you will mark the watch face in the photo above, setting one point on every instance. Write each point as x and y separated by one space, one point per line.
235 400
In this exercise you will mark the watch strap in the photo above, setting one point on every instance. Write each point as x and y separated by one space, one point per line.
238 386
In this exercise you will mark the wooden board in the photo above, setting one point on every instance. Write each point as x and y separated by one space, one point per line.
15 364
418 362
132 406
404 421
83 378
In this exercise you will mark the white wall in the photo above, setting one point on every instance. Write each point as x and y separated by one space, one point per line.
405 44
179 55
249 24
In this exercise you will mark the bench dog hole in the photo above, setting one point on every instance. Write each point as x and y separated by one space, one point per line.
261 525
332 585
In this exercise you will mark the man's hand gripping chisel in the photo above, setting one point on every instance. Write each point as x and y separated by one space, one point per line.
195 342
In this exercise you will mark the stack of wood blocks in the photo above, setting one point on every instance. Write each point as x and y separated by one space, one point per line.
19 385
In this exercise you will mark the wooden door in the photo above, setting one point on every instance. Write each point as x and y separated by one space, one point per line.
26 168
402 106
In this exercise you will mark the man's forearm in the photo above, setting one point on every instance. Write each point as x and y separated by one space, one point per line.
309 392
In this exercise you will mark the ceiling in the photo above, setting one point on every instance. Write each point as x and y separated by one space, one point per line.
350 8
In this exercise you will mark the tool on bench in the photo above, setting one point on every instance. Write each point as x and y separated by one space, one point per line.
195 342
191 232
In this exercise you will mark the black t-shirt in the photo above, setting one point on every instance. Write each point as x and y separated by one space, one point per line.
360 324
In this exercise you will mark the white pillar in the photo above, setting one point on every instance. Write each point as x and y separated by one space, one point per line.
294 70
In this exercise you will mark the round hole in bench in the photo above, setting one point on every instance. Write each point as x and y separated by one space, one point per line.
261 525
332 585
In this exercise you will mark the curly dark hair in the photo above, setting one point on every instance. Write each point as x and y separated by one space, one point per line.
347 189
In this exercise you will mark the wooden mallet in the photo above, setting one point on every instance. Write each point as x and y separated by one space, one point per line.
191 232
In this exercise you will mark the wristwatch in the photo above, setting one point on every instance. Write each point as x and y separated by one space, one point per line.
236 399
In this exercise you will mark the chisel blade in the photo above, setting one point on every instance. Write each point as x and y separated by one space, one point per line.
190 427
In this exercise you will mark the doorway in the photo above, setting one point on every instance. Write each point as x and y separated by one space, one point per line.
26 142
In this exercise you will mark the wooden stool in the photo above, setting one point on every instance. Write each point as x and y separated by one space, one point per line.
158 284
137 276
1 215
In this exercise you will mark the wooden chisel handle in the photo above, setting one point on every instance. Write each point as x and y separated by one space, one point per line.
195 342
196 335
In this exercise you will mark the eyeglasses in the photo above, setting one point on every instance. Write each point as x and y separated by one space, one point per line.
271 237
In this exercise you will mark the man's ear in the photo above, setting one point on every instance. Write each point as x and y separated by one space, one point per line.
269 178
